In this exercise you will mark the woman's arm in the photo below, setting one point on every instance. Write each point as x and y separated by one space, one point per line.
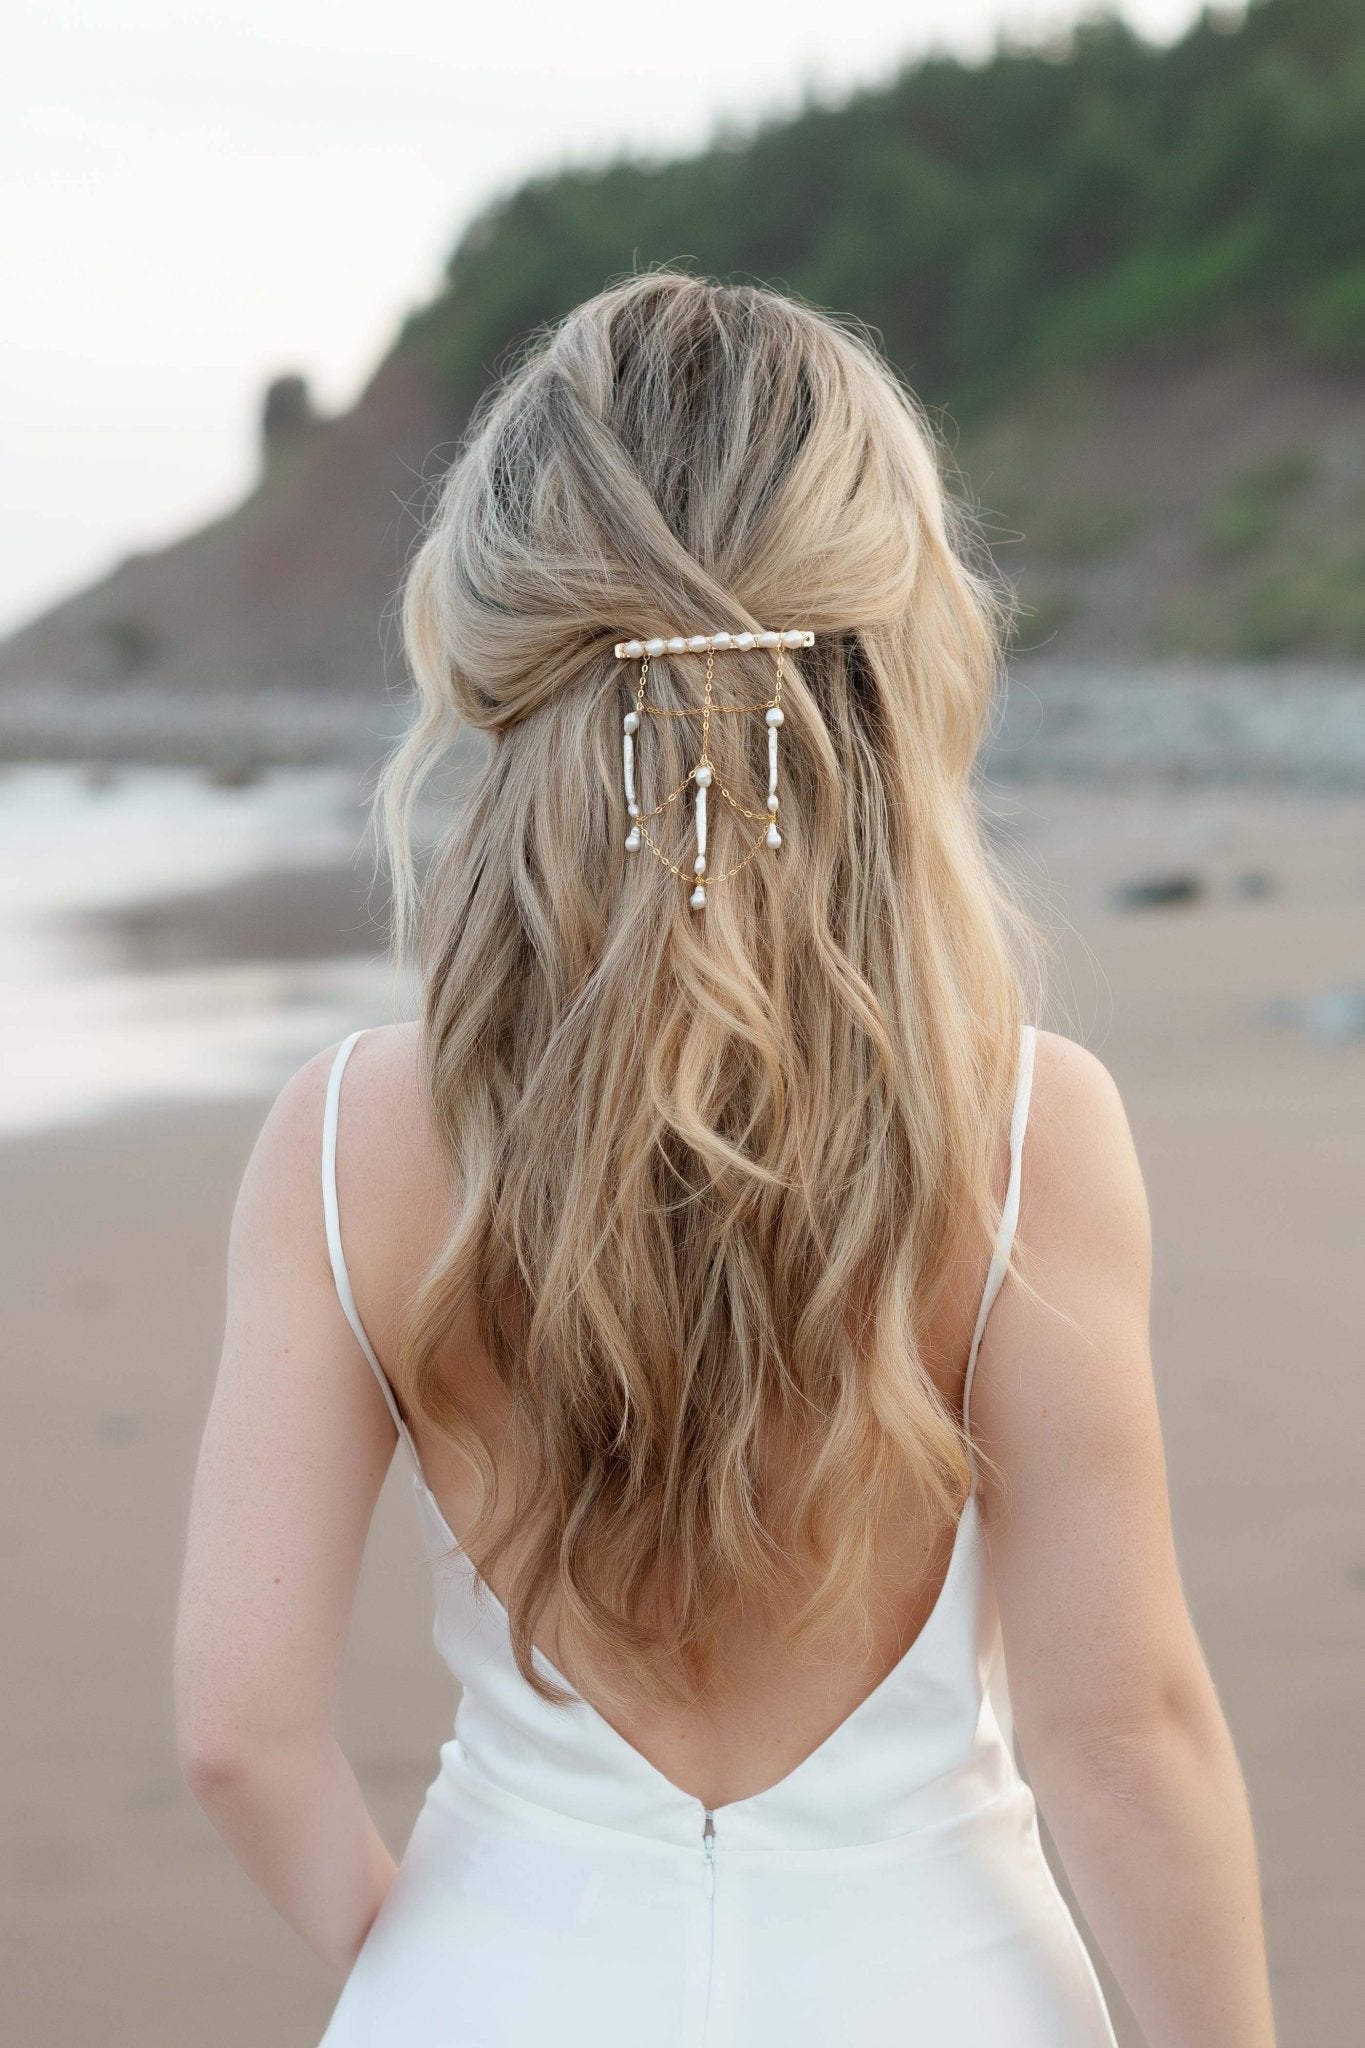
294 1453
1118 1720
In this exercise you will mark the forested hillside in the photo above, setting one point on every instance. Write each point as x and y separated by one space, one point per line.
1130 280
1047 209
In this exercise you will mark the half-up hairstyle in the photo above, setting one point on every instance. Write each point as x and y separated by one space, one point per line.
709 1172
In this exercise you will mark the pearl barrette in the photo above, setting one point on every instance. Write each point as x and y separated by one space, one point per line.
702 776
707 643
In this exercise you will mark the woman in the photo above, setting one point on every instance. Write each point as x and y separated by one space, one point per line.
763 1395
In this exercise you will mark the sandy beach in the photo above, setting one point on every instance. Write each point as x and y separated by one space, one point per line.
1232 1023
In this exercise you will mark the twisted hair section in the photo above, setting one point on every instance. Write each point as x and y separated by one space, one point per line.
709 1174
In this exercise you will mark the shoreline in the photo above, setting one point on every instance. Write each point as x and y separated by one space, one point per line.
1174 724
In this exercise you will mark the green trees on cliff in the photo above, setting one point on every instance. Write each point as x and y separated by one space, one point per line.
1048 208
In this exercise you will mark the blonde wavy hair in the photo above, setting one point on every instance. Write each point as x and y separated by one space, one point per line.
710 1170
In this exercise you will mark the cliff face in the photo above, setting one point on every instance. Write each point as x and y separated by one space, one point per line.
292 586
1210 509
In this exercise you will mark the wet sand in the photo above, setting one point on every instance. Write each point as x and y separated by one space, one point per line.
126 1922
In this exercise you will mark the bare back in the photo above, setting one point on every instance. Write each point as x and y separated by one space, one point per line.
393 1191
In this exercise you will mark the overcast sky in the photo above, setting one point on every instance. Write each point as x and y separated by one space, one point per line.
197 194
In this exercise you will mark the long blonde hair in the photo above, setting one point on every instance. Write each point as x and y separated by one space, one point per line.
710 1169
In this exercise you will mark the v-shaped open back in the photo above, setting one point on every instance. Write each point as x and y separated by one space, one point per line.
582 1763
906 1837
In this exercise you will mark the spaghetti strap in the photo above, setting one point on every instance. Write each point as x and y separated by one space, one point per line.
1009 1216
332 1216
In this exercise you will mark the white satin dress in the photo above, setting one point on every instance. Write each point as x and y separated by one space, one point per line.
890 1892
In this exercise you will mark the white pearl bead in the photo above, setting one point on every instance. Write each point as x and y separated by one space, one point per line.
773 715
698 644
631 721
703 778
744 640
633 649
632 810
772 803
653 647
769 640
698 898
677 645
772 837
633 839
699 864
723 640
793 638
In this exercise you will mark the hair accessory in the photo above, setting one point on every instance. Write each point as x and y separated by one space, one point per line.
702 776
704 643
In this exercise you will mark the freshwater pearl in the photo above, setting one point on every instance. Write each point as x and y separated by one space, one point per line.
769 640
633 839
772 803
793 638
677 645
632 650
773 715
699 864
772 837
631 721
654 647
703 777
698 644
744 640
632 810
722 640
698 898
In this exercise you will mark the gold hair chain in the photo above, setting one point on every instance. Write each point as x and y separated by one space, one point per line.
702 776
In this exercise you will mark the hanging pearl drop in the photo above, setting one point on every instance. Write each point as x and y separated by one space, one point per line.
773 837
630 724
628 769
698 897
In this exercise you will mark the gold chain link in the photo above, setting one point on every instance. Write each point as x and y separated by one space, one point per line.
708 706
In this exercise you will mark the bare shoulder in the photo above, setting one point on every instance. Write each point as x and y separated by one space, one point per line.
391 1181
1068 1077
384 1069
384 1110
382 1073
388 1129
1082 1187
